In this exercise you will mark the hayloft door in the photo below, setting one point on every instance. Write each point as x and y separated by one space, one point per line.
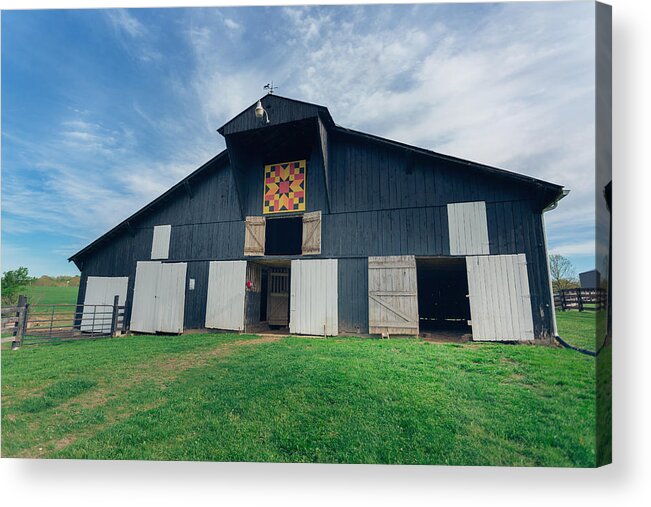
392 295
500 302
314 297
226 295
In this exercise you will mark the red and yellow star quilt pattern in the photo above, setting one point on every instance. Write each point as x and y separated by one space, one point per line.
284 187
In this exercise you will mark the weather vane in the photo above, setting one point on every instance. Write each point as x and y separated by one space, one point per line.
270 88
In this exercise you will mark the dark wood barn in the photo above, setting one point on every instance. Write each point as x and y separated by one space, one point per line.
304 224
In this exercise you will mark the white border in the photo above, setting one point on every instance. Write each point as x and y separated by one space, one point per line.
69 483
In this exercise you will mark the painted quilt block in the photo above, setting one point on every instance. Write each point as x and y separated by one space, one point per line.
284 187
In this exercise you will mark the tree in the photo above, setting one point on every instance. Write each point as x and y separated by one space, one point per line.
562 273
13 282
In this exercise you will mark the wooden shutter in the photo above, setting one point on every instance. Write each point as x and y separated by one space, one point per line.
392 295
468 228
254 236
500 302
160 245
312 233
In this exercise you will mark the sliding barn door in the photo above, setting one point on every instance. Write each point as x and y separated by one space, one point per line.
158 297
143 311
101 290
313 302
226 295
170 297
500 302
392 295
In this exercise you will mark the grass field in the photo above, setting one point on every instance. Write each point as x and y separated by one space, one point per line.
578 328
340 400
51 295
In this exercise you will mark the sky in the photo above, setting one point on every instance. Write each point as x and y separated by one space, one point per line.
103 110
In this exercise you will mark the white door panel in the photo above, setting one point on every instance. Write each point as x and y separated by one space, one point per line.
226 295
101 290
159 297
314 297
500 301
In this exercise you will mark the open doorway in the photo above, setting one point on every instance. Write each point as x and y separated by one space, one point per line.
267 304
284 236
443 305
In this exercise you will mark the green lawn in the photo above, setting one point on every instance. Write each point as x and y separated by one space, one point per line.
578 328
336 400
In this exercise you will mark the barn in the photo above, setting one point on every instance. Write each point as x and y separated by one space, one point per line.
312 228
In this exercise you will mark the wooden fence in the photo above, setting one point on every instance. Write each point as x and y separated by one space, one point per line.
45 323
581 299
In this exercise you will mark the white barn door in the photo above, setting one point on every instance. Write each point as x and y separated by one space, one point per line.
101 290
500 301
158 297
313 300
226 295
170 297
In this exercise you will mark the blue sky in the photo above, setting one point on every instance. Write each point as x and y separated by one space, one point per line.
103 110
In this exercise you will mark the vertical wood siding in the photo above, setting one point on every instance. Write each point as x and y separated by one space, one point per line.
352 288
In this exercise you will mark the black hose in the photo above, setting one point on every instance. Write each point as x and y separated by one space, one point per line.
583 351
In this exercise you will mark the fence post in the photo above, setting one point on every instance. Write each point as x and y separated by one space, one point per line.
561 293
21 322
114 317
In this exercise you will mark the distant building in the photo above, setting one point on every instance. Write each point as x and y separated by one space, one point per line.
589 279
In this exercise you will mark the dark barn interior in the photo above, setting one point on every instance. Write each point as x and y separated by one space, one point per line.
443 305
267 304
284 236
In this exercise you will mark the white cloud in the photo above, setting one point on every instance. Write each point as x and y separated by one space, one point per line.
133 35
231 24
580 248
122 20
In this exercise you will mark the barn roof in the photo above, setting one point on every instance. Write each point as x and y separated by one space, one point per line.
286 110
